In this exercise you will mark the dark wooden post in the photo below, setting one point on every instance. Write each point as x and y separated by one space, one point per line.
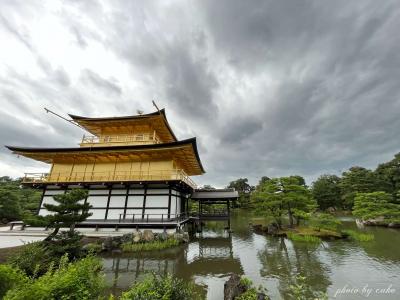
229 214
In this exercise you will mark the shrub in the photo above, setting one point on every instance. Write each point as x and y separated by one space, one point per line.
34 259
65 243
250 294
160 288
155 245
78 280
357 236
303 238
10 277
93 248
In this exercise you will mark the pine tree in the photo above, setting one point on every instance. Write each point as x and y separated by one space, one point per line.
66 213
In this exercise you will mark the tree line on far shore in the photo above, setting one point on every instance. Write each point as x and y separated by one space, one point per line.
369 194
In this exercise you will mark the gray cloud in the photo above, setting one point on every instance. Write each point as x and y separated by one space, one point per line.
95 80
268 87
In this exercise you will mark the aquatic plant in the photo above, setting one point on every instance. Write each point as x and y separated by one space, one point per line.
148 246
300 290
303 238
357 236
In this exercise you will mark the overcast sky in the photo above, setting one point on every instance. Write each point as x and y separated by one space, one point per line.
268 87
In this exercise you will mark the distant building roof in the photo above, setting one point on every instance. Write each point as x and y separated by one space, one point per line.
215 194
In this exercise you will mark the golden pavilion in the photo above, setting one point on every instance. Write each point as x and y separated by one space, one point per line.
134 168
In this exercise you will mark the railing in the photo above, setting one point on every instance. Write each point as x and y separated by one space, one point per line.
120 139
152 218
119 176
212 212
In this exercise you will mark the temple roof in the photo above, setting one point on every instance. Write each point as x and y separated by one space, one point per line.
184 152
157 120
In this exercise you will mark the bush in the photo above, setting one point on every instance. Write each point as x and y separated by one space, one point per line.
10 277
34 259
161 288
79 280
357 236
155 245
65 243
93 248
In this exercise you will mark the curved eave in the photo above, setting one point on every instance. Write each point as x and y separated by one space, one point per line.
83 121
47 154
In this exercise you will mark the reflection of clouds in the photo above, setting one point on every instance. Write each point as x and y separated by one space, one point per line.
283 260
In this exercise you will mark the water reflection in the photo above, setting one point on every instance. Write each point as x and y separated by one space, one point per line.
284 260
209 259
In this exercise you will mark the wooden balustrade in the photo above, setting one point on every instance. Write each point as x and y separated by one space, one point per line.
108 176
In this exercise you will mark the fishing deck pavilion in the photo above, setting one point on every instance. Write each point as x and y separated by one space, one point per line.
136 172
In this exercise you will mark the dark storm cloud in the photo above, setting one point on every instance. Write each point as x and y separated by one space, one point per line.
96 81
268 87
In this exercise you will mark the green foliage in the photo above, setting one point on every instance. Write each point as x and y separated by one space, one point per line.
10 206
93 248
388 176
65 243
154 245
246 282
155 287
244 189
320 221
303 238
34 259
376 205
357 236
356 180
284 195
326 191
66 213
78 280
16 201
10 277
250 294
300 290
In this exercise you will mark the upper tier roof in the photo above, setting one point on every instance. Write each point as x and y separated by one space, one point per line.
185 152
157 120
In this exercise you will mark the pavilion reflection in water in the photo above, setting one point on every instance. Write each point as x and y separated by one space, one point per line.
205 256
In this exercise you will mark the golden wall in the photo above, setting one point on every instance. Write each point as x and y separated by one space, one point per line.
114 171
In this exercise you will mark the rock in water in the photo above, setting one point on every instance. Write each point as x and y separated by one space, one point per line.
178 237
233 288
186 237
148 235
137 236
163 236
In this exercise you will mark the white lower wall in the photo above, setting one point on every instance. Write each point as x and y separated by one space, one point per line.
117 202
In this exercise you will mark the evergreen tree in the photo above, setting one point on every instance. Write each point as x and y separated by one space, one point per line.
326 191
388 177
66 213
356 180
375 205
244 189
284 195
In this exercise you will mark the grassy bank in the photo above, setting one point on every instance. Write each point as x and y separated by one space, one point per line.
150 246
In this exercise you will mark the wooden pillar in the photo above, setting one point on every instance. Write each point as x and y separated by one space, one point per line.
229 214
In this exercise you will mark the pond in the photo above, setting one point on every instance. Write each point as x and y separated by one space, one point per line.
342 269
